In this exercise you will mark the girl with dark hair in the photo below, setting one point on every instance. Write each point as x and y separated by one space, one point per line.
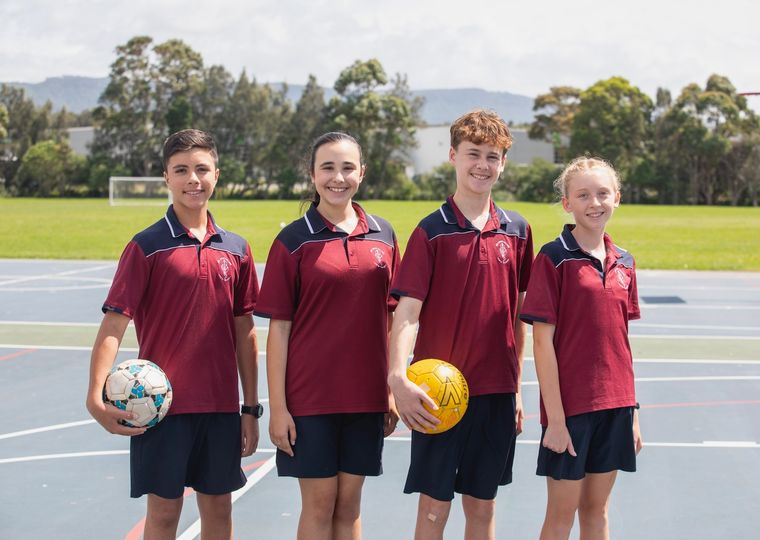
329 401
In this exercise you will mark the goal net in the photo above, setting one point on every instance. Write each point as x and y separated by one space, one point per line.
138 191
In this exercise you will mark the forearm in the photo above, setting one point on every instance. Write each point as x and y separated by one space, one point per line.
403 332
521 334
246 348
104 352
277 359
548 372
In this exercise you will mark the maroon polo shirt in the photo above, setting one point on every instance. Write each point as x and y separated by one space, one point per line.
334 287
469 281
183 296
590 306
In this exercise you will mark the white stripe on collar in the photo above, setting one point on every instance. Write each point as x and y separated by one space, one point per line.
563 243
443 214
503 213
369 216
169 223
308 223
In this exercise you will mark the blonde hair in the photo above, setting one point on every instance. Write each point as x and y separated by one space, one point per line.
481 127
583 164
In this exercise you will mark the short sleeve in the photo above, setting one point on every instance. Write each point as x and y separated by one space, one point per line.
416 268
392 300
247 286
633 298
129 282
279 287
526 264
542 297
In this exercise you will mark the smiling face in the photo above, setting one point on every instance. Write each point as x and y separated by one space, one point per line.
478 166
591 196
191 177
337 173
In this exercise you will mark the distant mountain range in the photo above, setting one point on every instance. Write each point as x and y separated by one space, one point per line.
441 106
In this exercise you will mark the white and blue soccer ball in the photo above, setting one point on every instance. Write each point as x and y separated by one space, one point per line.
140 387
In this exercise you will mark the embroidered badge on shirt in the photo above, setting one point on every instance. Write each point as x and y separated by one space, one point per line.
503 256
224 268
378 254
622 279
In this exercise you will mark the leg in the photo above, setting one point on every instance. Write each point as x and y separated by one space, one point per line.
563 497
318 496
592 511
216 516
432 515
162 518
479 517
347 523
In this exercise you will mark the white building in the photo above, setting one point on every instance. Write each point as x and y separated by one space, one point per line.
434 141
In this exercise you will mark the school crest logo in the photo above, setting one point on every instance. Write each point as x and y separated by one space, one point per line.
378 254
224 268
622 279
502 252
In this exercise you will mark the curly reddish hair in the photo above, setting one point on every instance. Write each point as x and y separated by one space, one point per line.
481 127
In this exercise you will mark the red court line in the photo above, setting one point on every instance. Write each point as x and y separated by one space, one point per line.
136 532
18 353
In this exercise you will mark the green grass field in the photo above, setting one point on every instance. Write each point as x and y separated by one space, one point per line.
664 237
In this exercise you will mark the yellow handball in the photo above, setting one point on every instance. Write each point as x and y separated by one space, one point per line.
446 385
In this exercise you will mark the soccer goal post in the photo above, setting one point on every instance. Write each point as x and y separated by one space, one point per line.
138 191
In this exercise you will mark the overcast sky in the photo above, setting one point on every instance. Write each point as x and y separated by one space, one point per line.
522 46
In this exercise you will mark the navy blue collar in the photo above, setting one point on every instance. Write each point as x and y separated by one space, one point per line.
452 215
316 223
177 229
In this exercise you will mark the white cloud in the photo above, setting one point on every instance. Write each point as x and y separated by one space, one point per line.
506 45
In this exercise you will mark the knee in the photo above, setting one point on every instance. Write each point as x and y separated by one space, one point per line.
593 517
215 507
478 509
321 508
164 513
347 510
433 510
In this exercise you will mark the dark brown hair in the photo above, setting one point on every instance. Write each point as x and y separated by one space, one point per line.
311 195
187 139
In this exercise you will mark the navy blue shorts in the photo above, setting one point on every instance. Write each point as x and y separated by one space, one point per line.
472 458
327 444
201 451
603 442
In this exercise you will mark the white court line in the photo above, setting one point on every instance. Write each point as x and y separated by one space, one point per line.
643 286
704 307
195 529
88 324
65 456
704 444
692 337
51 323
59 347
46 428
94 454
692 361
699 379
57 275
54 427
636 324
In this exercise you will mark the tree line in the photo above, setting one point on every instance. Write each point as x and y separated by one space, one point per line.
703 147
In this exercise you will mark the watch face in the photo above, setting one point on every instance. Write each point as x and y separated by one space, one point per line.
255 410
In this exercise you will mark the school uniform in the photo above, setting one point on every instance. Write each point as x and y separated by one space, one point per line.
334 286
590 304
183 294
469 281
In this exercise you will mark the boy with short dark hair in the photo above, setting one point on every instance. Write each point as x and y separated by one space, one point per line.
463 278
190 287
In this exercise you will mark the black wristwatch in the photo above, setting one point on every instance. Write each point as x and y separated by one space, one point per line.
256 411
